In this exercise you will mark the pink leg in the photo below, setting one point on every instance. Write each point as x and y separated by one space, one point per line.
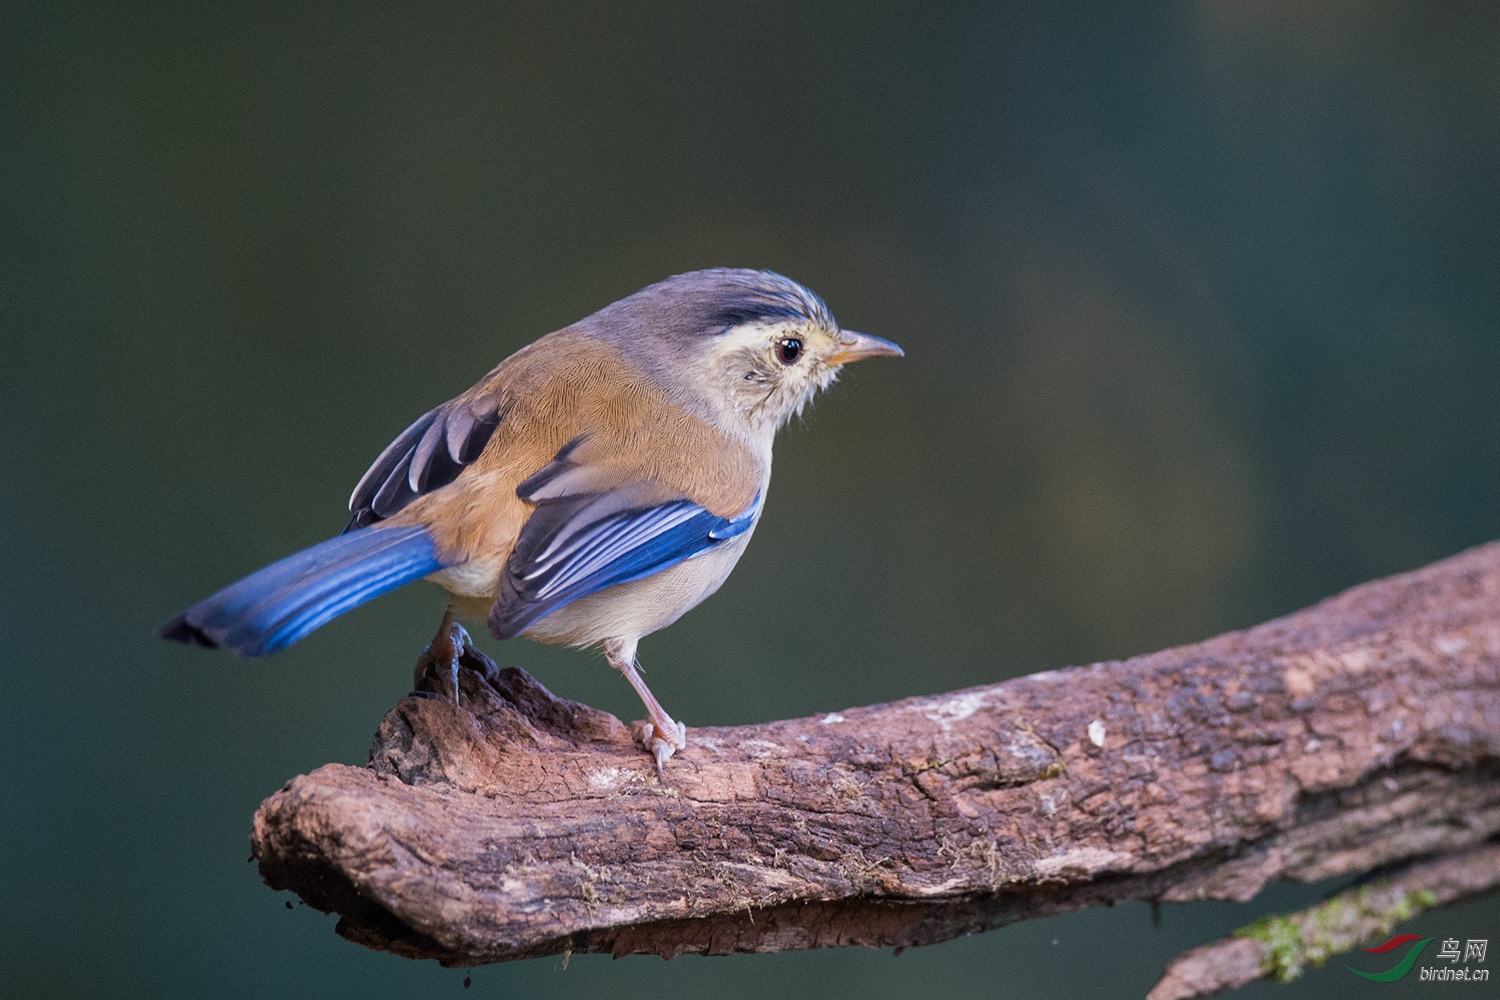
660 733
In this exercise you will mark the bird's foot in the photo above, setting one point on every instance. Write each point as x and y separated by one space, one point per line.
661 739
443 654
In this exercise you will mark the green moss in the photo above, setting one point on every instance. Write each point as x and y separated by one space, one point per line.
1283 938
1299 940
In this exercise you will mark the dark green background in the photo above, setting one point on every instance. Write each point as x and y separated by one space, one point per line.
1200 306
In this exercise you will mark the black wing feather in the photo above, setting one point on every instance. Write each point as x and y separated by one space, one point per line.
426 456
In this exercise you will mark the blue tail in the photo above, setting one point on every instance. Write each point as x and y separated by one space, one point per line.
273 607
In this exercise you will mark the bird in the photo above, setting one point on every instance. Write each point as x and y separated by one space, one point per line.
588 491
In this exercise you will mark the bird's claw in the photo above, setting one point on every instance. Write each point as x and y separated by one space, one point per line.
661 741
459 641
663 751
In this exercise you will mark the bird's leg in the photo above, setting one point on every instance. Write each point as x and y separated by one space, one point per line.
659 733
445 649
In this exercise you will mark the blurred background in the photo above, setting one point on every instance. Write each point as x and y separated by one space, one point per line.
1200 307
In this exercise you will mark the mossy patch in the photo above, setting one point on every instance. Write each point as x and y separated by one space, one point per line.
1297 941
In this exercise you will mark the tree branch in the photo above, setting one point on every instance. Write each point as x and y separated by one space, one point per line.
1282 947
1357 733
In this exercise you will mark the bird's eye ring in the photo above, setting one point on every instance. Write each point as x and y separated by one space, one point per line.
788 350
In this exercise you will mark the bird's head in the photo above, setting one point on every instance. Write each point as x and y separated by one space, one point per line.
740 346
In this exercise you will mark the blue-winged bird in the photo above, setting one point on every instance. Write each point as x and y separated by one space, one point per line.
589 490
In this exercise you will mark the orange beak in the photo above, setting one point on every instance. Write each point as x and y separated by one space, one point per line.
858 346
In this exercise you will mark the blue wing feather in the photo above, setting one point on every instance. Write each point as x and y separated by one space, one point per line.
578 545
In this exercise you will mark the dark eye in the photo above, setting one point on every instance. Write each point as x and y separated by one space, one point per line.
788 349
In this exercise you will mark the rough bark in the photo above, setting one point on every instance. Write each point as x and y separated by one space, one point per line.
1357 733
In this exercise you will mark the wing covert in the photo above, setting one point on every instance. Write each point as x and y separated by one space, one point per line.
593 527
